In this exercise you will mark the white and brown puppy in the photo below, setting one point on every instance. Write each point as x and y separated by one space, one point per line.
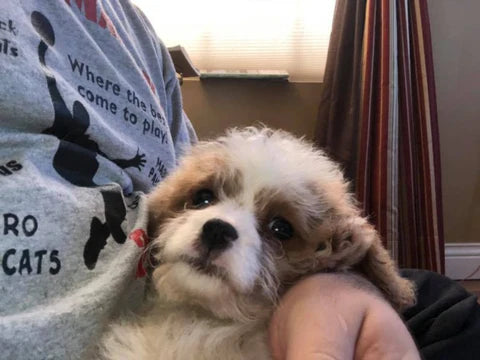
241 219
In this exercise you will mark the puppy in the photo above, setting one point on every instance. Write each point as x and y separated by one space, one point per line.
241 220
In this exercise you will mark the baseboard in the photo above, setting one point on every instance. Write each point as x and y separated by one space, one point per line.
462 261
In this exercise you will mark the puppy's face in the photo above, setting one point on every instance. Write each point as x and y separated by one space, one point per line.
246 215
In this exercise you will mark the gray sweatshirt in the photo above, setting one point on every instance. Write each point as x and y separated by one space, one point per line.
90 120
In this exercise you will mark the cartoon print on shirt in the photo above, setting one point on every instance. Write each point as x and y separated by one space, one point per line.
115 212
76 156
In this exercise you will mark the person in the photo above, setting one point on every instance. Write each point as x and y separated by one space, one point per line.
90 120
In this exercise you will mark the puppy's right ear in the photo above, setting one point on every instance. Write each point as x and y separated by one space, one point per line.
358 246
380 269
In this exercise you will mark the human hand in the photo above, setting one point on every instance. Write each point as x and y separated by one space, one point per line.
329 316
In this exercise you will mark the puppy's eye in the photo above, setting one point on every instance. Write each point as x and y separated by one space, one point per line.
203 198
281 228
322 246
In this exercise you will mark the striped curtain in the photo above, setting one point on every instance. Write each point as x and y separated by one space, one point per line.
392 127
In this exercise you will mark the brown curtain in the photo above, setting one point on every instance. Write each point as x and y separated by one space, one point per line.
338 116
378 118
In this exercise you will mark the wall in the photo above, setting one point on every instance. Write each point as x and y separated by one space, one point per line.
214 105
455 30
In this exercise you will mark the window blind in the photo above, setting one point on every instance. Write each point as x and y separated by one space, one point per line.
289 35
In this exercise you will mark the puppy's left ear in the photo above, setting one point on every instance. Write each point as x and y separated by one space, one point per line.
159 203
358 246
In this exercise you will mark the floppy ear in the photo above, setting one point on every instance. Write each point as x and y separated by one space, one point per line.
161 206
353 244
357 246
160 203
378 267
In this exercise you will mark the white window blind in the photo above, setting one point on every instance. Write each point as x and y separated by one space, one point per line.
289 35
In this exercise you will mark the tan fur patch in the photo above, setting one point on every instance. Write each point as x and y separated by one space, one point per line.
206 170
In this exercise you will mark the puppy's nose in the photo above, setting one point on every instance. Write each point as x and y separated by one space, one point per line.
217 235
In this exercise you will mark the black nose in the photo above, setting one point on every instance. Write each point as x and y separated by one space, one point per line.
217 235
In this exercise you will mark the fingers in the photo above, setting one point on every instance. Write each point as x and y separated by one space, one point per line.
140 160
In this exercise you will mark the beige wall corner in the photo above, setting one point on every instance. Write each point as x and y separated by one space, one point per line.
455 29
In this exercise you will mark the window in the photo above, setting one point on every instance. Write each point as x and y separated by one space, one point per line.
249 34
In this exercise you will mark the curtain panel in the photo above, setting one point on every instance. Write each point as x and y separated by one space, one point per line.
378 118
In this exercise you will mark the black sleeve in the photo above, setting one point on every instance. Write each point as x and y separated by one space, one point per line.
445 322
